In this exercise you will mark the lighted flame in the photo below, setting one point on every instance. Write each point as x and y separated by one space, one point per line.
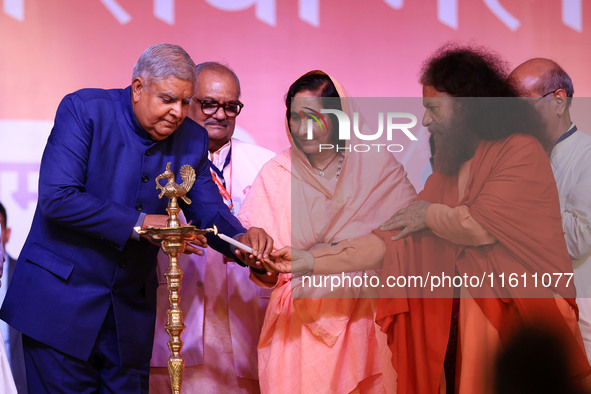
215 230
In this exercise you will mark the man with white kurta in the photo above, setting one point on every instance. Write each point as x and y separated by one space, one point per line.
223 309
553 90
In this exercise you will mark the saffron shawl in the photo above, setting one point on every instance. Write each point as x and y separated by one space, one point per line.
511 193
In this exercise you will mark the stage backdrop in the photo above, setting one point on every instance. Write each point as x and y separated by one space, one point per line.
374 47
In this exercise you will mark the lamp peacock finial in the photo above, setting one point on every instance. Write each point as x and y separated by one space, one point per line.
173 189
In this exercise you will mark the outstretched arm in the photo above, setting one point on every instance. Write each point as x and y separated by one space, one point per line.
358 254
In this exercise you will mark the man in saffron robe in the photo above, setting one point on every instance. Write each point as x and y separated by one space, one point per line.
490 208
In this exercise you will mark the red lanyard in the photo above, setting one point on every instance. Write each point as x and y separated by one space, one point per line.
218 178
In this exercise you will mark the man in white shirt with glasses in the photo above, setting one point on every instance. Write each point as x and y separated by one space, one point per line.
553 90
223 309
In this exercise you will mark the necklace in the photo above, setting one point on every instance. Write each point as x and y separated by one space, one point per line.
340 164
322 171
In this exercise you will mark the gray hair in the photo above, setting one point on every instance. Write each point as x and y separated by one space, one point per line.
163 61
556 78
215 66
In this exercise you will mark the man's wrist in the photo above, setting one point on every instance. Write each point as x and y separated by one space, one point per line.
235 237
139 224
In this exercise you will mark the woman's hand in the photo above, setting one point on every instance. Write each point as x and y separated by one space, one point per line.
290 259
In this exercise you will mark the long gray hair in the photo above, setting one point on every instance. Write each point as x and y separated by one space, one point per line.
162 61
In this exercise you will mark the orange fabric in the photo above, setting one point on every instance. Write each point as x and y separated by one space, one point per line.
480 344
322 344
511 193
456 225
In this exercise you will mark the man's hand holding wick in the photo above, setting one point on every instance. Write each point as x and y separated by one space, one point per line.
261 244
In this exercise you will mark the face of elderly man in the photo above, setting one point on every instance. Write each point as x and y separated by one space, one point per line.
160 106
528 77
215 86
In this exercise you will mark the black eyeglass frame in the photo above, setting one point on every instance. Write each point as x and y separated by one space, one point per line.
218 105
546 95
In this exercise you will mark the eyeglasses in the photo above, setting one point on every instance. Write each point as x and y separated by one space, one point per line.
210 107
547 94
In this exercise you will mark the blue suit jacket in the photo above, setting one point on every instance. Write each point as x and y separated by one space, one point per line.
97 175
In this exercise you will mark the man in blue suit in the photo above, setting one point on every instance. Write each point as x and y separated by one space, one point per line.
84 288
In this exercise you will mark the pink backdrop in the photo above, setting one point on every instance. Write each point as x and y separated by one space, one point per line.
374 47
